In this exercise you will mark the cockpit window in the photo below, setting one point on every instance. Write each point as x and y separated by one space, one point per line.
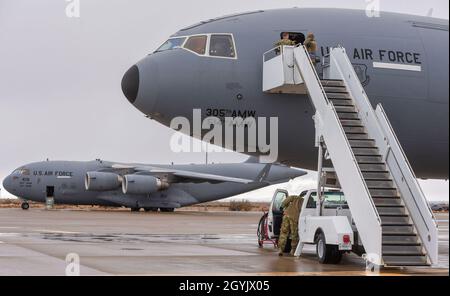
197 44
23 172
222 46
171 44
217 45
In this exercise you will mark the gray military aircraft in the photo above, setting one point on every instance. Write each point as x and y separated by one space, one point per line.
137 186
216 66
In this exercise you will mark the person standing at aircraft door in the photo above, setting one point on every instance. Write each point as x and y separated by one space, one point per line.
285 40
311 46
292 206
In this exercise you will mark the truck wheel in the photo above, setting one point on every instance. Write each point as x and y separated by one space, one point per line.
337 256
328 254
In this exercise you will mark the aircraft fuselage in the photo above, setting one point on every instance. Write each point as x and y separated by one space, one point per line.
414 93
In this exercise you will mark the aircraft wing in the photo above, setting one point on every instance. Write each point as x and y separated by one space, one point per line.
190 176
195 175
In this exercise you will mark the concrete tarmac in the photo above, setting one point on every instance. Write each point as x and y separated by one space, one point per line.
36 242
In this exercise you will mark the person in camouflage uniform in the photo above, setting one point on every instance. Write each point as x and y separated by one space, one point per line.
311 45
292 206
285 40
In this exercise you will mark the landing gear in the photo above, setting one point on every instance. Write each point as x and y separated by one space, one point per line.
25 206
151 209
328 254
135 209
167 210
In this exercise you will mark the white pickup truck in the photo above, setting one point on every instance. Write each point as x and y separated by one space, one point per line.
329 225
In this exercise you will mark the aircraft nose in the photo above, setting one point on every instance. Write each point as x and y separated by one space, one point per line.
7 184
130 84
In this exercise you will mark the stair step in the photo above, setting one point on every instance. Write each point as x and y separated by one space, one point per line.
359 136
405 260
362 143
351 122
412 242
407 252
345 109
341 102
369 158
335 89
387 201
396 229
402 250
347 115
330 82
376 175
338 95
372 167
385 211
394 220
405 238
380 184
365 151
354 129
384 193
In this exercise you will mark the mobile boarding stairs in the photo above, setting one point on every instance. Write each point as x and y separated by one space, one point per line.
389 209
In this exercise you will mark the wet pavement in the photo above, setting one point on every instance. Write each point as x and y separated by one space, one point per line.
36 242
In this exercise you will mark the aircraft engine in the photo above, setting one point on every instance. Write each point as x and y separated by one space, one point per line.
142 184
102 181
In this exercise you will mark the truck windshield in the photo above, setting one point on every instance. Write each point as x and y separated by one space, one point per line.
171 44
332 199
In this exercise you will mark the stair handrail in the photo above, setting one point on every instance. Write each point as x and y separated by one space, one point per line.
375 247
396 142
409 178
316 75
342 130
380 135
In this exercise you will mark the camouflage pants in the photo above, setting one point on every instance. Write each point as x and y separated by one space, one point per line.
288 227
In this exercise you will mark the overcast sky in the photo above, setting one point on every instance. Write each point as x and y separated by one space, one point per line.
60 95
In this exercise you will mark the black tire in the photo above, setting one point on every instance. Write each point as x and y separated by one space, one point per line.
25 206
337 256
151 209
135 209
327 254
167 210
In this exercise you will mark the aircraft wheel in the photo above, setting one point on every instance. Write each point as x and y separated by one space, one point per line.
151 209
167 210
135 209
25 205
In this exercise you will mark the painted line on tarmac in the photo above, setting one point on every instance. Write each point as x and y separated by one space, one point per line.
56 231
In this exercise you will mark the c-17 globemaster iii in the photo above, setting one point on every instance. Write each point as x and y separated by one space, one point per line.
137 186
